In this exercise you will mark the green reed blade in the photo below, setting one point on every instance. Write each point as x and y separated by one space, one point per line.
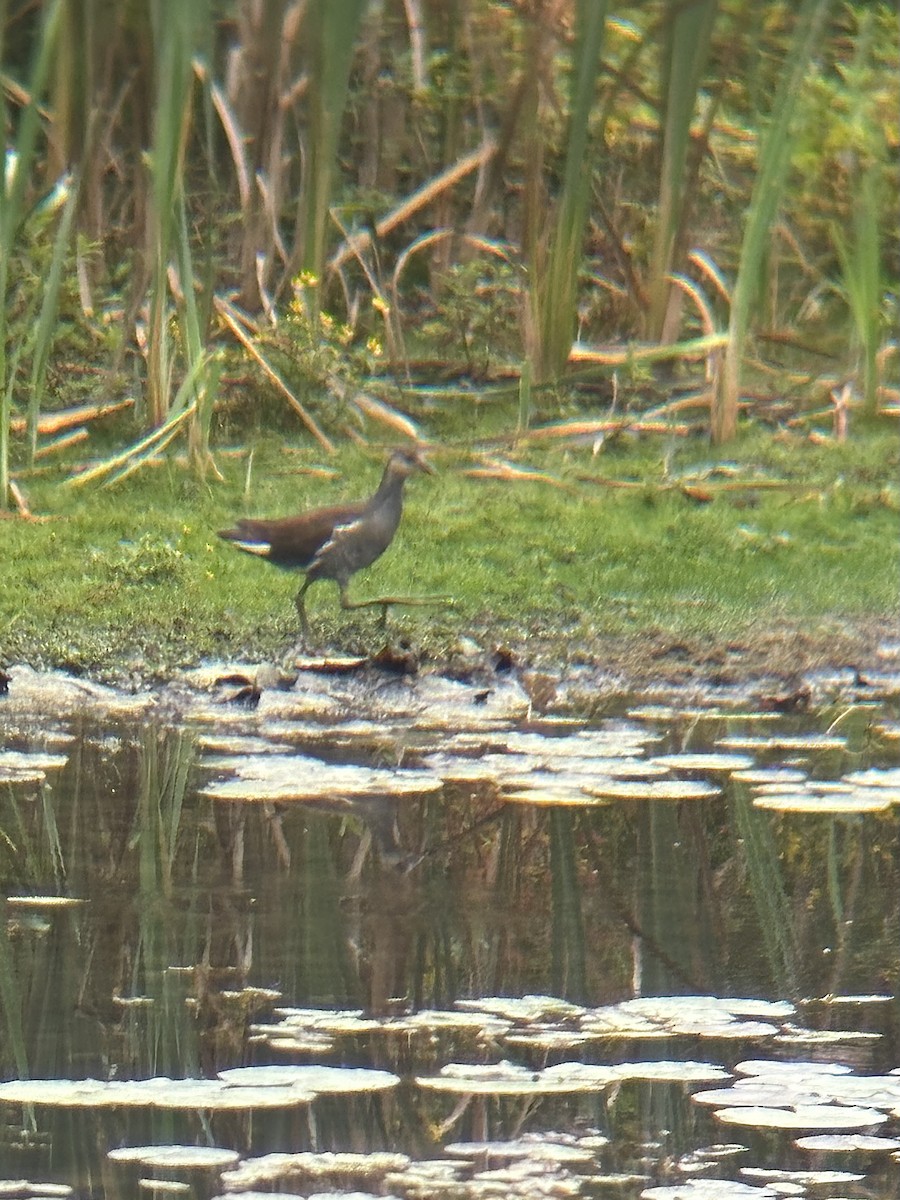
174 27
12 194
774 160
685 54
569 962
859 254
765 878
332 28
553 282
46 323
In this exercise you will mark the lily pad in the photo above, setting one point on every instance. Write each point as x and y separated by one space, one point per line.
712 762
269 1168
823 801
509 1079
804 1116
847 1143
149 1093
653 789
203 1158
710 1189
312 1078
812 742
297 777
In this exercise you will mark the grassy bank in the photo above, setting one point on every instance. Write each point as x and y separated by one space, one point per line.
132 579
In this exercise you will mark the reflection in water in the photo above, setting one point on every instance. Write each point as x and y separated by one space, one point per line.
353 894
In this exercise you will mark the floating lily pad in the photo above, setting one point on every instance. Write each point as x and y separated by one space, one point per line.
523 1008
795 1035
269 1168
494 768
547 1040
753 1095
775 775
847 1143
705 762
203 1158
694 1016
804 1179
667 713
509 1079
812 742
232 745
820 800
886 778
805 1116
312 1079
671 1072
588 744
653 789
29 766
540 1147
553 795
852 1001
709 1189
794 1070
811 1082
24 1189
296 777
150 1093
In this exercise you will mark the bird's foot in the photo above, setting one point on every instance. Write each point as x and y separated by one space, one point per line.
385 602
403 601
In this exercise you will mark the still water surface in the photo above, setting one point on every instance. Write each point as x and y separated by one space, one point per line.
574 957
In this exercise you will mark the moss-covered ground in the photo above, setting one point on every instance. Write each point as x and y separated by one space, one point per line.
130 581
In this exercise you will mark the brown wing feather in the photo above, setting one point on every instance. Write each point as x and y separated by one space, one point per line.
292 541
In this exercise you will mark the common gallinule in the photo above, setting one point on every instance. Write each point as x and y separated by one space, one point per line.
337 541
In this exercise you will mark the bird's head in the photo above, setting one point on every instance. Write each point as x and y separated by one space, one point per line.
406 460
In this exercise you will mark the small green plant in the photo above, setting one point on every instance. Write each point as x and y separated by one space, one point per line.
149 560
315 352
478 313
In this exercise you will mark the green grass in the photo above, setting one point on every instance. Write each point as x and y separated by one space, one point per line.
132 579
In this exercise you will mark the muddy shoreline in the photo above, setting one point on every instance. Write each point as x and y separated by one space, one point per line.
787 667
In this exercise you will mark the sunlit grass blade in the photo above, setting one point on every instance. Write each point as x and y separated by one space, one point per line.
140 452
774 159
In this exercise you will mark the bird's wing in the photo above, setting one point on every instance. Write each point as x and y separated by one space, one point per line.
340 538
291 542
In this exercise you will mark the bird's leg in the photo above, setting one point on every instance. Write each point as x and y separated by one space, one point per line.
300 603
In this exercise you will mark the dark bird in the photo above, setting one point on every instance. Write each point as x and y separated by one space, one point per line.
337 541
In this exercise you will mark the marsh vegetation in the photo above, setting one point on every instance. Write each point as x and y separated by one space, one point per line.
229 216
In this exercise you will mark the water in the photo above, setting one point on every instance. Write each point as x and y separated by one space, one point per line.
376 875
